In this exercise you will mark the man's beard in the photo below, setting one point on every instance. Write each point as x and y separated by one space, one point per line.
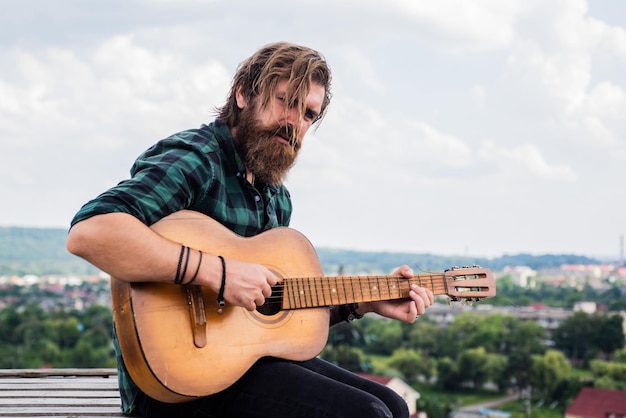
268 159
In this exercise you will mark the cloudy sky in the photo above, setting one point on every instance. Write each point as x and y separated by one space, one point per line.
478 127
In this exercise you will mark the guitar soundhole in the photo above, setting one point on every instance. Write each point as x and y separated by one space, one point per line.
273 304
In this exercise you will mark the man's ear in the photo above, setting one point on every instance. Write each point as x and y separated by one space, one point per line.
242 102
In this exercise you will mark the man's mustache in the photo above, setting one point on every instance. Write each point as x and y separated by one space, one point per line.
287 132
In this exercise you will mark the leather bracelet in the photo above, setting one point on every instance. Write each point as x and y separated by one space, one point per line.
197 270
178 279
220 295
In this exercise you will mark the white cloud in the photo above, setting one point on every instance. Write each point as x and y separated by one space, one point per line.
360 67
459 26
525 160
178 2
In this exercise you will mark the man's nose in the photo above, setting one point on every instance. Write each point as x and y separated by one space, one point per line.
291 116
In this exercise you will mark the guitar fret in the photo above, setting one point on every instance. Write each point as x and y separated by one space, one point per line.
292 293
361 289
314 292
374 289
345 293
399 289
387 287
335 290
379 288
301 293
352 289
330 290
308 279
321 290
341 294
396 291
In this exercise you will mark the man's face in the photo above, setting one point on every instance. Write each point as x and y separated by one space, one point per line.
266 136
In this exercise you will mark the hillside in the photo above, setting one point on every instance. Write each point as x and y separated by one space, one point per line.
38 251
42 251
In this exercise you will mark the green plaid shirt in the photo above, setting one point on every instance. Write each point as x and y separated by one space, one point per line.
200 170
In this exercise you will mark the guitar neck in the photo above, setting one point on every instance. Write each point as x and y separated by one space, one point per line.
311 292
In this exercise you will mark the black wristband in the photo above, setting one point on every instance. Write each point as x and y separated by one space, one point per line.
348 312
197 270
220 295
352 315
177 279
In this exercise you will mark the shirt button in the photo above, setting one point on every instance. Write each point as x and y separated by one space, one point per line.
257 198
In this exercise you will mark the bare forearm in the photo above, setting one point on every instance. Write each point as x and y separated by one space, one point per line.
122 246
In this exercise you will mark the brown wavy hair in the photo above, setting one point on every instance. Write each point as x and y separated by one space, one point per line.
258 76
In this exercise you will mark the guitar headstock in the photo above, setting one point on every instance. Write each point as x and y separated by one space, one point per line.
469 283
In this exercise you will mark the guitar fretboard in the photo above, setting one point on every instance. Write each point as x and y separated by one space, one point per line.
310 292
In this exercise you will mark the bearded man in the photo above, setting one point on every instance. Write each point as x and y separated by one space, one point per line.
232 170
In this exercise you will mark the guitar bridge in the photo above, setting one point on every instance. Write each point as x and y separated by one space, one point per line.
197 315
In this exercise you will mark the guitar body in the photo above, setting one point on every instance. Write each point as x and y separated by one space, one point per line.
155 321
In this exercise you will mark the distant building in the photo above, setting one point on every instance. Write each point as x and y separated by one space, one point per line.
598 403
587 307
399 386
520 275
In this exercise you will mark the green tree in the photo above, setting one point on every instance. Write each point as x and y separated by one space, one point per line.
609 334
574 337
460 334
348 333
86 355
383 336
519 366
424 335
472 366
527 336
346 356
548 372
582 336
608 375
67 332
35 339
619 356
411 364
448 374
496 368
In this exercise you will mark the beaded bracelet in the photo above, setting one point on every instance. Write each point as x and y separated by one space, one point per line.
178 279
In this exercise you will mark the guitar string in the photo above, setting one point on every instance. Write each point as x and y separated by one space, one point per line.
301 298
370 288
439 288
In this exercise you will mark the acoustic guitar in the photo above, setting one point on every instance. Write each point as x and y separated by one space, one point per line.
176 346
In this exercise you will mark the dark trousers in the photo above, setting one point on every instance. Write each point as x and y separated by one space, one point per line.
275 388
